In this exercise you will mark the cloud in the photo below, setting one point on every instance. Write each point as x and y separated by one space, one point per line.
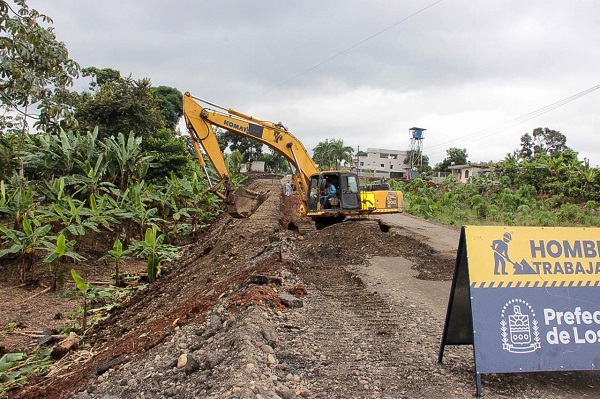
359 71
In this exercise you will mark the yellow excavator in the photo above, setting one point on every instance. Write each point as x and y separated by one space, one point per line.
327 197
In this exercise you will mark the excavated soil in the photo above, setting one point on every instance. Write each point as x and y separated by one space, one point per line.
255 310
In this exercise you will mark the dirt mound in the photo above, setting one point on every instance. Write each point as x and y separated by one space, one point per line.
254 310
355 242
225 256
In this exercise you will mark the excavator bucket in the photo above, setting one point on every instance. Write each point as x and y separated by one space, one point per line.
244 202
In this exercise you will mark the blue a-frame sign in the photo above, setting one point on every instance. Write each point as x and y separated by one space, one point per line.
526 298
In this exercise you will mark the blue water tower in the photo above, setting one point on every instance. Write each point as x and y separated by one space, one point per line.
416 151
417 132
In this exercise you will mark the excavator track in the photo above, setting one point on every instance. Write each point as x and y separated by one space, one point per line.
306 227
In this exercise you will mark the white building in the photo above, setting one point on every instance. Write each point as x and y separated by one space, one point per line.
382 163
257 166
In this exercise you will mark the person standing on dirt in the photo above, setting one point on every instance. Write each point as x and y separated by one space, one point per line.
288 189
500 248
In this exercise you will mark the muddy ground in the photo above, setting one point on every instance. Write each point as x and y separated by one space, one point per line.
256 310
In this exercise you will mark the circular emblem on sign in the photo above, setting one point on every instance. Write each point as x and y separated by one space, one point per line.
519 328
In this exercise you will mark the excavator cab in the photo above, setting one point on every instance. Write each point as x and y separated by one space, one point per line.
332 193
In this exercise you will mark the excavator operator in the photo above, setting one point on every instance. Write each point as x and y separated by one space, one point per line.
330 192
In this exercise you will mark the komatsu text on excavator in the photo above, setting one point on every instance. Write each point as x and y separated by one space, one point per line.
327 197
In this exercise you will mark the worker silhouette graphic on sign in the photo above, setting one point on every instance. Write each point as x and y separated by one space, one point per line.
500 248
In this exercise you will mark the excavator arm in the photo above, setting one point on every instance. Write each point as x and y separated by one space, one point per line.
240 202
201 119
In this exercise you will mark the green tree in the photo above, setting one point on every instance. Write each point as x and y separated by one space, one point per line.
234 162
330 154
9 143
455 156
101 76
542 141
251 150
122 106
526 151
35 68
170 103
34 65
275 162
409 153
169 154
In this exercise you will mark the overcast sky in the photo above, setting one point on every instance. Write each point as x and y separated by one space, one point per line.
473 73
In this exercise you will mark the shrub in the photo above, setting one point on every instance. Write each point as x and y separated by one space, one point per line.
545 218
570 213
591 206
527 192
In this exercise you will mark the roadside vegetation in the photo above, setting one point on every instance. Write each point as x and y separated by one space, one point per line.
87 179
543 183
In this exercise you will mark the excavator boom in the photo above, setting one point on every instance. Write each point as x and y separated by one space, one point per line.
272 135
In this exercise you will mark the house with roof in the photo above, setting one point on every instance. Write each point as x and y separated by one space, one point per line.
463 173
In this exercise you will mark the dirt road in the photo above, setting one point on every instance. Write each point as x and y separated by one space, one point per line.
257 311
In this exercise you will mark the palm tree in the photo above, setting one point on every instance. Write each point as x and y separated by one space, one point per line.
331 153
321 154
340 152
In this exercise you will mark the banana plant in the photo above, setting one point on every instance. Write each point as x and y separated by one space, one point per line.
26 244
203 206
179 216
59 250
54 190
153 249
16 367
103 212
150 250
71 216
162 198
139 201
83 288
93 181
127 157
50 155
117 253
16 201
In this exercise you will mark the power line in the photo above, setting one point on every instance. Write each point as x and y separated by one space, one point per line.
350 48
482 134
